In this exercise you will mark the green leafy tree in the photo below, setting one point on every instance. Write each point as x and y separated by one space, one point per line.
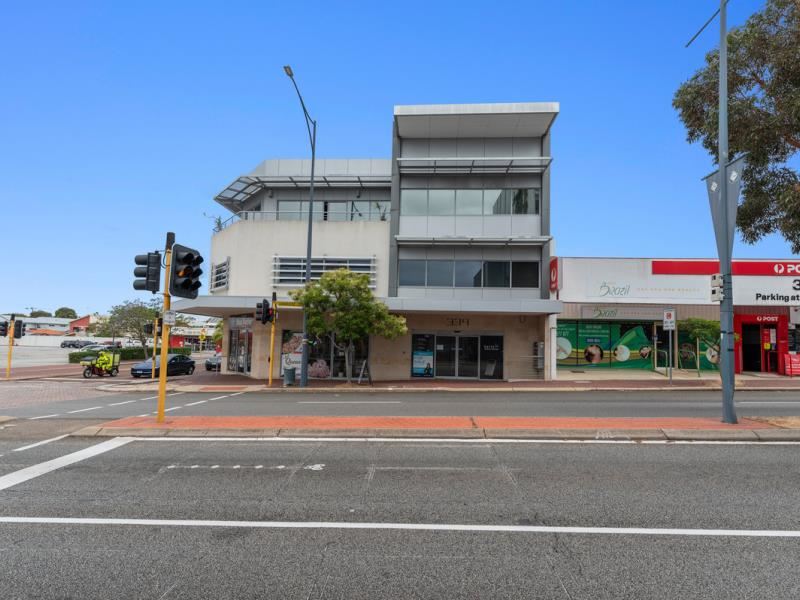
703 330
129 319
40 313
217 335
764 113
65 312
341 304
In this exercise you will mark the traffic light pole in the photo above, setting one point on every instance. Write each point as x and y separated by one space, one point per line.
162 369
10 346
155 348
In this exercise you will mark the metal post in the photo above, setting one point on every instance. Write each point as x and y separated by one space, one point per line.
304 364
670 357
726 308
10 346
162 368
155 346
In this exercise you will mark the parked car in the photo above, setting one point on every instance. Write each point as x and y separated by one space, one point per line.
71 344
177 364
94 348
83 343
214 363
115 344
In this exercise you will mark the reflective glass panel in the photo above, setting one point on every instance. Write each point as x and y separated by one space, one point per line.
525 274
497 274
441 202
412 272
496 202
468 273
440 273
414 202
469 202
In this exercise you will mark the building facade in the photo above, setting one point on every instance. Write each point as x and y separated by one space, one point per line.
614 307
453 231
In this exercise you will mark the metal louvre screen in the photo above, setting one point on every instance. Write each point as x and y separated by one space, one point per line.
290 271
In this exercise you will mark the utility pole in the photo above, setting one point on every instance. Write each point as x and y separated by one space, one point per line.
162 367
12 325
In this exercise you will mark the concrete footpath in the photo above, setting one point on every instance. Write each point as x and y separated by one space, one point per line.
778 429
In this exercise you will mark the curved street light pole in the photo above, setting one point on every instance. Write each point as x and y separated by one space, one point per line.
311 125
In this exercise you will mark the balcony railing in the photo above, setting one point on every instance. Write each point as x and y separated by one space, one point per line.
301 215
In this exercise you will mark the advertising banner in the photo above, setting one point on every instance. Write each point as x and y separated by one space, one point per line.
615 345
422 355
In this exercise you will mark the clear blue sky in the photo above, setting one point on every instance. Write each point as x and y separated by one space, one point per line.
121 120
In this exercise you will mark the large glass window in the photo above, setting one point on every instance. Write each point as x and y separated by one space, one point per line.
359 211
412 272
379 211
497 274
289 211
468 273
525 201
496 202
414 202
441 202
469 202
525 274
440 273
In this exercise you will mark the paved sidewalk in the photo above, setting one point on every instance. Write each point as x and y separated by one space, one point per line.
667 428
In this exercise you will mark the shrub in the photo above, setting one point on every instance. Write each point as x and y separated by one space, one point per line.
127 354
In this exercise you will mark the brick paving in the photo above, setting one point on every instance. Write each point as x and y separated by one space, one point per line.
16 394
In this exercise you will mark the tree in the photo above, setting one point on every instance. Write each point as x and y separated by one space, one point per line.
342 306
129 318
65 312
764 117
218 332
702 330
40 313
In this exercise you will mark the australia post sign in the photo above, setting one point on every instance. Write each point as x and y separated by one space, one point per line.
640 280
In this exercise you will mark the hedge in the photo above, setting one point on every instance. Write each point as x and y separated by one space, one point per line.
127 354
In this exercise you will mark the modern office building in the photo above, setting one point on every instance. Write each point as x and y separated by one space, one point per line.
453 232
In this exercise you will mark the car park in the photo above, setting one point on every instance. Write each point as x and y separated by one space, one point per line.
177 364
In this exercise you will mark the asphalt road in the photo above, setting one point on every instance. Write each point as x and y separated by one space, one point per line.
656 509
76 400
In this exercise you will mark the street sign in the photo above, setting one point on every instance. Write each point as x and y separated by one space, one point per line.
669 319
169 317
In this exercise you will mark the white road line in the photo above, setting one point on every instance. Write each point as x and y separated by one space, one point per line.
42 443
383 440
218 398
767 402
349 402
175 394
454 527
43 417
237 394
196 403
144 415
83 409
121 403
172 408
17 477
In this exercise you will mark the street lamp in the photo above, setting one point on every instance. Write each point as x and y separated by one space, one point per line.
311 125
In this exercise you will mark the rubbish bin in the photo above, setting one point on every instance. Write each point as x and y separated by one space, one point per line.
288 376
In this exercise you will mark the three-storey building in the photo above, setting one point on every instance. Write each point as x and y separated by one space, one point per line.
453 230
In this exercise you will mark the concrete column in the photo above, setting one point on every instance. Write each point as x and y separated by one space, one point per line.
549 337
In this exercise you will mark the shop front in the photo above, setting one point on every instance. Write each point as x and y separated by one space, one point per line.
240 345
462 355
762 341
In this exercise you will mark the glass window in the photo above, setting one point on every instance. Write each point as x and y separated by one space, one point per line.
359 211
289 211
440 273
336 211
525 274
525 202
441 202
469 202
412 272
496 202
379 211
468 273
414 202
497 274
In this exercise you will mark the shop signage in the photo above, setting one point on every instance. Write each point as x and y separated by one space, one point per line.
792 364
622 313
240 322
786 268
555 279
457 322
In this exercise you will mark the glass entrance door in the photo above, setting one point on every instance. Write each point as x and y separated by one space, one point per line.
239 351
445 356
467 356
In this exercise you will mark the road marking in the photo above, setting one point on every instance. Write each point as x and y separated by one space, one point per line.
83 409
17 477
453 527
196 403
350 402
385 440
121 403
175 394
237 394
765 402
42 443
43 417
218 398
149 398
173 408
144 415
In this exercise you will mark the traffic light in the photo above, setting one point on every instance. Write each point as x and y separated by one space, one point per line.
264 312
3 328
160 328
148 328
19 329
184 277
149 272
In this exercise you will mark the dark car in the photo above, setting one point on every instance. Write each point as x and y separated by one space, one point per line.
177 364
214 363
71 344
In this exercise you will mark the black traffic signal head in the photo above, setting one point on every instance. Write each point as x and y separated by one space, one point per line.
160 327
19 329
148 328
263 311
184 276
148 272
3 328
